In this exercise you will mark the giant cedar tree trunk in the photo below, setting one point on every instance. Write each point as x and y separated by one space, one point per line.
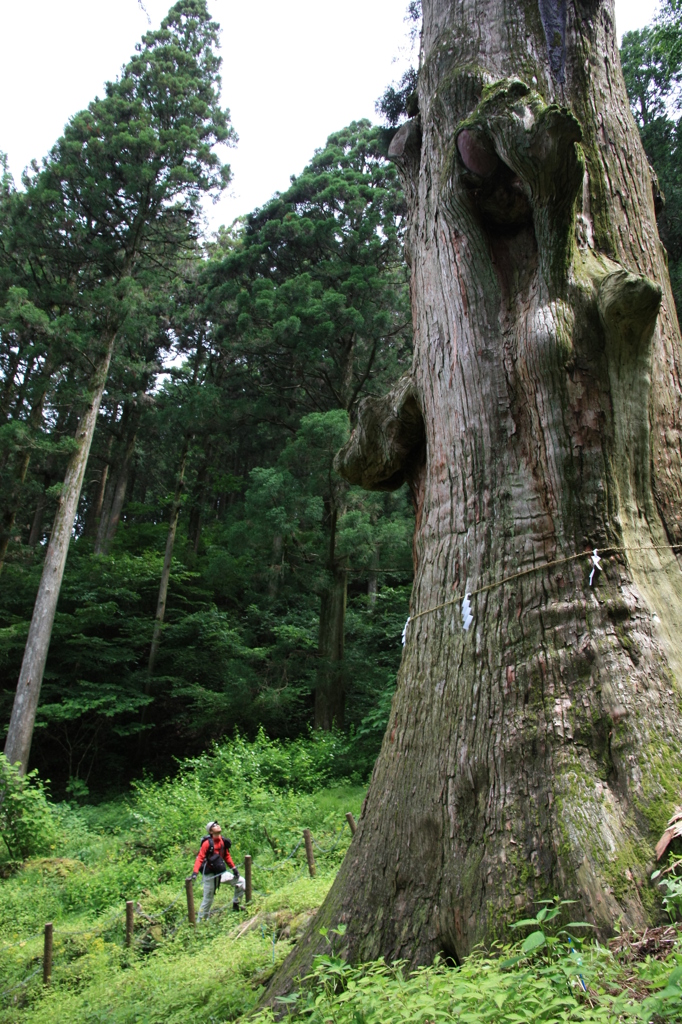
539 752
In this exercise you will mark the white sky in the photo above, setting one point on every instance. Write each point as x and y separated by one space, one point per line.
293 72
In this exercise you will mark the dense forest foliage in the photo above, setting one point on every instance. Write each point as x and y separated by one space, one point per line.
220 575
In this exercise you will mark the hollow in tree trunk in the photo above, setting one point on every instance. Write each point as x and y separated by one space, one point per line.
540 750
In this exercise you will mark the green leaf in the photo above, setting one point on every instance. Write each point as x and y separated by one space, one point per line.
671 992
533 941
675 977
510 962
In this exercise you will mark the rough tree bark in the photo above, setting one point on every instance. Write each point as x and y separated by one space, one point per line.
22 721
538 752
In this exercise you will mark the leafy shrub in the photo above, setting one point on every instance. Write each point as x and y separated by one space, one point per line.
302 765
235 781
28 824
482 992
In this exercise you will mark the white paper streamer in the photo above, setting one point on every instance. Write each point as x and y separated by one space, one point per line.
467 617
405 629
595 562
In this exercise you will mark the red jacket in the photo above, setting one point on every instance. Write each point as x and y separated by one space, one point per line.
218 847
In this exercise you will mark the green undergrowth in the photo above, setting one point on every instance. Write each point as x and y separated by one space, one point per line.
554 974
598 991
81 865
141 848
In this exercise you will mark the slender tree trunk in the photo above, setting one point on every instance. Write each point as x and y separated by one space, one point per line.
121 486
146 476
276 566
94 516
22 389
20 733
14 414
64 421
132 477
113 478
196 514
373 581
117 501
329 692
107 501
539 751
95 512
168 559
39 514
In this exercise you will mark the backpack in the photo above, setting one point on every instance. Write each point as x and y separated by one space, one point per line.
215 865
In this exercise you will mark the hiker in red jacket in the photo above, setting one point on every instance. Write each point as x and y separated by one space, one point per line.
212 863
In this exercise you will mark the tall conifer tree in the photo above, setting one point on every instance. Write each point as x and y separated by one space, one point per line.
119 190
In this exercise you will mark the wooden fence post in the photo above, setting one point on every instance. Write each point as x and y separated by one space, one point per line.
309 851
351 821
130 910
247 877
191 916
47 954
